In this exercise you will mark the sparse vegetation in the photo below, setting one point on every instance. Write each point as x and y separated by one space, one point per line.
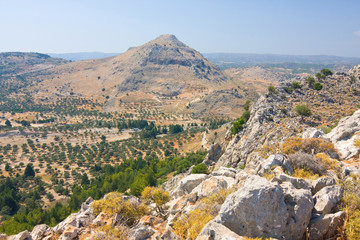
272 90
317 86
189 226
303 111
307 145
200 168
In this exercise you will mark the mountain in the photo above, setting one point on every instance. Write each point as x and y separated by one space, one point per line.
82 55
18 63
164 73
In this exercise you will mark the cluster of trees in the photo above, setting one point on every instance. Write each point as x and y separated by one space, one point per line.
237 126
134 174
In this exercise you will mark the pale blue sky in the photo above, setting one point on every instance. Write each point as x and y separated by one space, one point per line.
254 26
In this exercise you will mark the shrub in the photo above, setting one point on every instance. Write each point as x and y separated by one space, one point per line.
296 85
272 90
218 197
114 203
109 232
189 226
327 161
200 168
307 145
317 86
304 173
247 105
357 143
303 111
326 129
301 160
351 205
157 195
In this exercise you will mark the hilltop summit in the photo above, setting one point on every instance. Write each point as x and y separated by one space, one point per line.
155 72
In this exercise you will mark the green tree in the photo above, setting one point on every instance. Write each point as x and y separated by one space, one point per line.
310 81
296 85
272 90
317 86
8 123
320 76
303 111
200 168
29 171
326 72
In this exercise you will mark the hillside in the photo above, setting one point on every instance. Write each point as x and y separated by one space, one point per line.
18 69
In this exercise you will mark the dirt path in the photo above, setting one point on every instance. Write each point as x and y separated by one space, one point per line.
204 141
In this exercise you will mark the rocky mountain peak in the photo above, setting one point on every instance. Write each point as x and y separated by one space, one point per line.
166 39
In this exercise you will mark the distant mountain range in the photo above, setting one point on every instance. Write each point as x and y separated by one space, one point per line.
229 60
307 63
82 55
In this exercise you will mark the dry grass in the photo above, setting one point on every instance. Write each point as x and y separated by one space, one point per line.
189 226
307 145
113 203
306 174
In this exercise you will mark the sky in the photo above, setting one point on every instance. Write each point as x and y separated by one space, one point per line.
300 27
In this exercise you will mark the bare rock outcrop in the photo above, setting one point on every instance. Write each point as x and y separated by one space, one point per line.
187 184
344 135
325 227
264 209
216 231
327 199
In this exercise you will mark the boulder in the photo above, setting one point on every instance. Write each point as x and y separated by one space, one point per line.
216 231
140 232
40 231
213 155
86 205
346 128
183 202
273 161
168 234
69 233
213 185
187 184
312 132
327 199
325 227
99 220
298 183
69 221
320 183
226 172
25 235
344 135
264 209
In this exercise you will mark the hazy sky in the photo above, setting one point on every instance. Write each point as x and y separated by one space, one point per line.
253 26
